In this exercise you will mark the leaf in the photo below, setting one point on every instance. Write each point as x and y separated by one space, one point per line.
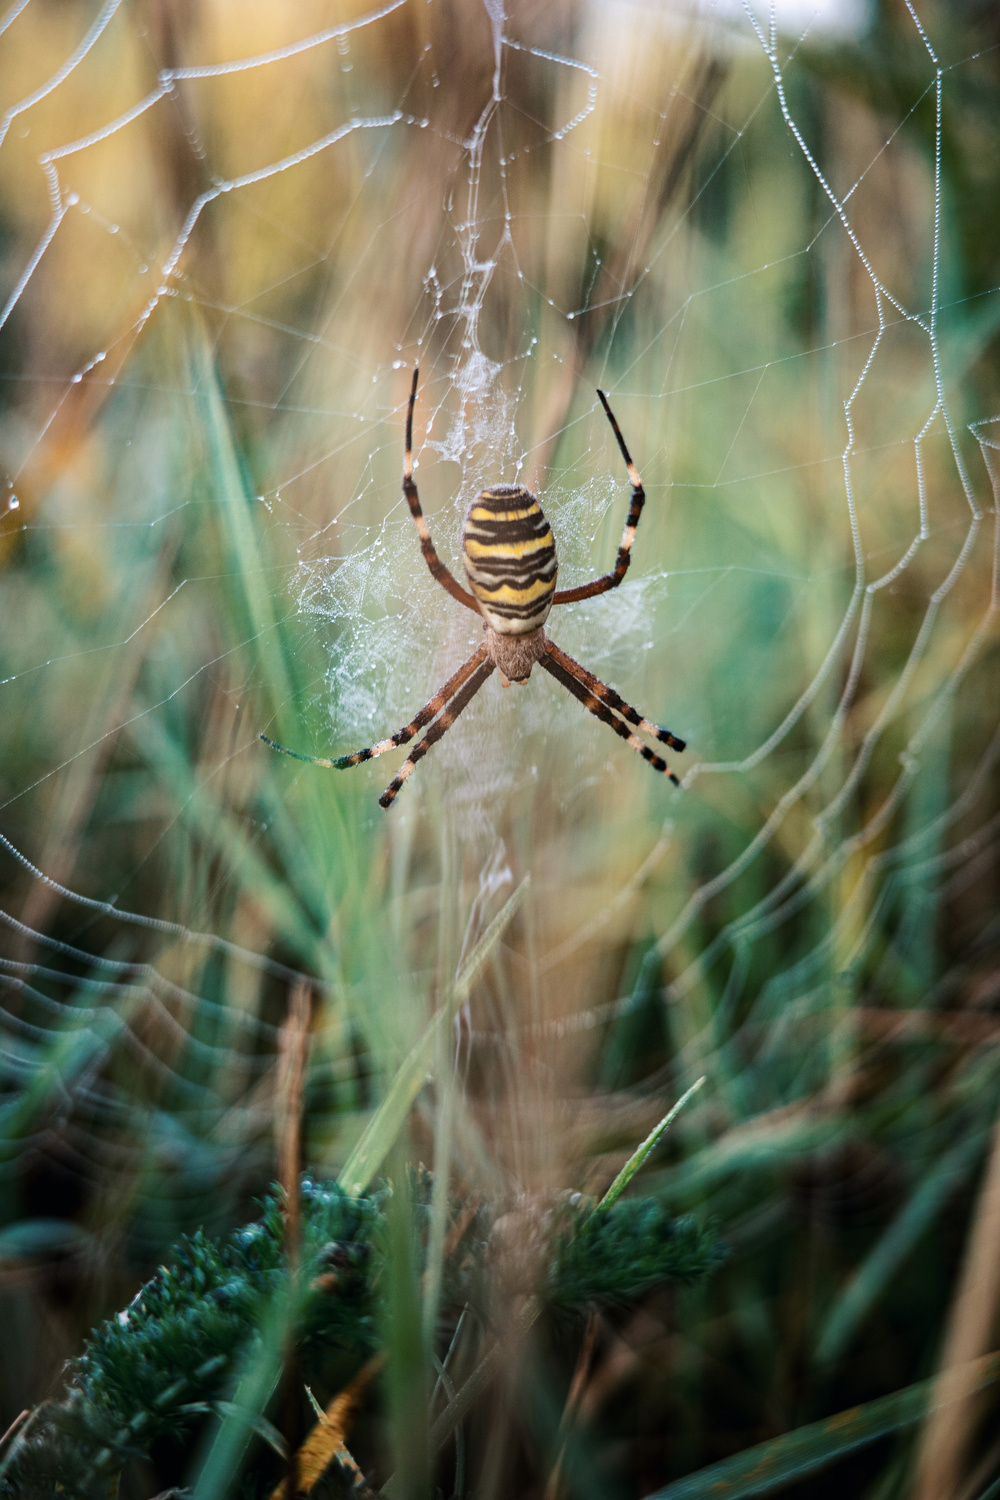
254 1422
42 1237
382 1129
329 1436
894 1246
768 1466
638 1156
240 1419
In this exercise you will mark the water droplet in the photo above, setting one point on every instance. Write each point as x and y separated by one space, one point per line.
13 503
112 228
77 378
72 199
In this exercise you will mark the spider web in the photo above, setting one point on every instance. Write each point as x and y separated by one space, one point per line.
221 266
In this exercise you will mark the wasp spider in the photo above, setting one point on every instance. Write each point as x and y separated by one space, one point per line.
509 555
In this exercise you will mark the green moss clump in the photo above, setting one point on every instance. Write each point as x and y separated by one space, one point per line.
614 1256
151 1372
155 1371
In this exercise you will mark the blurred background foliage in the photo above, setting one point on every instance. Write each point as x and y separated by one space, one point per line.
214 302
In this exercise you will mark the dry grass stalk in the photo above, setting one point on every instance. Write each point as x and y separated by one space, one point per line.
328 1439
942 1459
293 1052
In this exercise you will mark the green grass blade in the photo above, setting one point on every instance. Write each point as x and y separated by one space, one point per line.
239 1420
871 1278
638 1156
384 1126
768 1466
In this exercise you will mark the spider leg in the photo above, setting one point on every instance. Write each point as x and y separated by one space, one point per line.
594 705
613 579
437 567
460 701
401 736
611 698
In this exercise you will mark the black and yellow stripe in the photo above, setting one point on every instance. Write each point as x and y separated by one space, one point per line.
510 559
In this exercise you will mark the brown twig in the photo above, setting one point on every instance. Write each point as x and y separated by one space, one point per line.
14 1427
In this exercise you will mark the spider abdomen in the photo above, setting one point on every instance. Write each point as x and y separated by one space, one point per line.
509 554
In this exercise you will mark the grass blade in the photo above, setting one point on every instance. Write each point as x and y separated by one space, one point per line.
768 1466
638 1156
384 1126
869 1281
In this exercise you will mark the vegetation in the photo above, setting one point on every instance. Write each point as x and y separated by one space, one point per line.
153 1374
222 968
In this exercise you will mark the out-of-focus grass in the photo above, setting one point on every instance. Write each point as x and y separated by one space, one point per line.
210 542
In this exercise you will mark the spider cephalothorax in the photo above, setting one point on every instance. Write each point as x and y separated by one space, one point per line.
509 554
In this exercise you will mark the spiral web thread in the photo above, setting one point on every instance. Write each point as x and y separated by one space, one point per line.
58 1035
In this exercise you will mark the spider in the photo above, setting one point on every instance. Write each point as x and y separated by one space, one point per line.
509 555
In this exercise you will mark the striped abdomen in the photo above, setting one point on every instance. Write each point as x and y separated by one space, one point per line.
510 559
